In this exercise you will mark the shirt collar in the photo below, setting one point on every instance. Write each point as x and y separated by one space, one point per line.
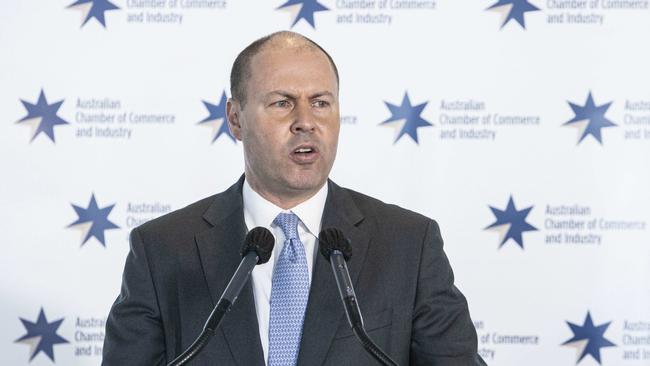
260 212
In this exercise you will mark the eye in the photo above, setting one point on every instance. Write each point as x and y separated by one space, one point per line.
282 104
320 103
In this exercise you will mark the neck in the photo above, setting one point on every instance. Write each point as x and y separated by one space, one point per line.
285 200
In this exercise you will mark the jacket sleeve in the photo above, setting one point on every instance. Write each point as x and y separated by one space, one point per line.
134 332
443 333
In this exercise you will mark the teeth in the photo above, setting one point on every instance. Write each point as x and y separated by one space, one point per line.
303 150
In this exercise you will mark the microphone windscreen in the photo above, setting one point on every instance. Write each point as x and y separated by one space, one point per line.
261 241
332 239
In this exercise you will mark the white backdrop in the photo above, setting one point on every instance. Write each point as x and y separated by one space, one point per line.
570 285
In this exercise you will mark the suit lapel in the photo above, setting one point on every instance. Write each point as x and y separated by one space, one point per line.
219 251
324 309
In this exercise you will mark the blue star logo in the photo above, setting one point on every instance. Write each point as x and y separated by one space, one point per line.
42 116
41 336
217 118
93 9
406 118
588 339
590 119
513 9
511 223
93 221
303 9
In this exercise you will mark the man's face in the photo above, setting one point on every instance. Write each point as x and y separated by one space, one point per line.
289 125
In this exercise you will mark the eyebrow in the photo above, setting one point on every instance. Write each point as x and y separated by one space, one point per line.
290 95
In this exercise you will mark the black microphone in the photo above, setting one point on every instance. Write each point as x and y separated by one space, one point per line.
257 249
336 248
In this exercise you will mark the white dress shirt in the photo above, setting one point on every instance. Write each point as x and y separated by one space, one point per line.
260 212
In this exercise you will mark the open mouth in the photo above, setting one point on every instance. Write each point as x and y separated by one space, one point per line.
303 150
304 154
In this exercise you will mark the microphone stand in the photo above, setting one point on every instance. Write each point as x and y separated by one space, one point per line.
336 249
257 249
346 290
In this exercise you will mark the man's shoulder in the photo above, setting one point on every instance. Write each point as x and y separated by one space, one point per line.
198 215
189 217
400 232
381 211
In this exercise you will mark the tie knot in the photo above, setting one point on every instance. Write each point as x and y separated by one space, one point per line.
289 224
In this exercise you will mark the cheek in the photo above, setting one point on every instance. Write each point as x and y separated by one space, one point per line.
264 146
332 137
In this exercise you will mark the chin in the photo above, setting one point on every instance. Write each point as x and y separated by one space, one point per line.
306 183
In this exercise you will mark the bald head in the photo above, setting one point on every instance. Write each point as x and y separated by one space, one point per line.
241 68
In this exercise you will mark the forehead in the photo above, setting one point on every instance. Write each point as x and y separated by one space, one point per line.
295 68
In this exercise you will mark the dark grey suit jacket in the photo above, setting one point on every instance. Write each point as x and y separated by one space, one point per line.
180 263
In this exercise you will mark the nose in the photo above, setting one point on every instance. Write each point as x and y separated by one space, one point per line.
303 120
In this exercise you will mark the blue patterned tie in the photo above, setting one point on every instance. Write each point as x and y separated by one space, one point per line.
289 295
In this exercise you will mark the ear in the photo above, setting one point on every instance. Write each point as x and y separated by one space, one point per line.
233 111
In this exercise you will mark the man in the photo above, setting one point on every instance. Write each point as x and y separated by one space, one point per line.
285 110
